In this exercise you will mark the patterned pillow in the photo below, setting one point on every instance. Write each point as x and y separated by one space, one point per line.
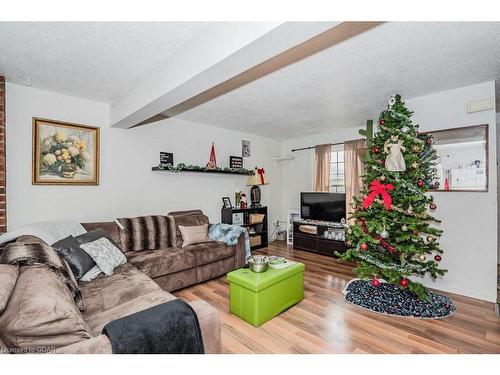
144 233
106 255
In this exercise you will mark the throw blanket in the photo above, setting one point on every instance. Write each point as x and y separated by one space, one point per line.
48 231
229 234
31 254
143 233
169 328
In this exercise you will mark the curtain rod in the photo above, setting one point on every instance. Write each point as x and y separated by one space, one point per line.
331 144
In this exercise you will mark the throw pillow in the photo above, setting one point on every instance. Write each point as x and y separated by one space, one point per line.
194 234
92 274
8 278
78 260
106 255
143 233
95 235
41 312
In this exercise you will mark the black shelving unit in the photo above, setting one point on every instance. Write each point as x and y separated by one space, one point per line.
256 230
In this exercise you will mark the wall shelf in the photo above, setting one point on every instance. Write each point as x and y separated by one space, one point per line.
215 171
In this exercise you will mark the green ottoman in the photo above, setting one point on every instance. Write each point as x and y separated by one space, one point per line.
259 297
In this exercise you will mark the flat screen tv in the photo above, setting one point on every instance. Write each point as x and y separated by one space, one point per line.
322 206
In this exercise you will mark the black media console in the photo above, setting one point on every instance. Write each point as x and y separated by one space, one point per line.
319 237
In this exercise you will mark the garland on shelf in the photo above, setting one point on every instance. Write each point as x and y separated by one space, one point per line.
196 168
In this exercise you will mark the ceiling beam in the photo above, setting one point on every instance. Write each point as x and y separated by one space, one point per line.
206 67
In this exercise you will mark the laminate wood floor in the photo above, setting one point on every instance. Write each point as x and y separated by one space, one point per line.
324 323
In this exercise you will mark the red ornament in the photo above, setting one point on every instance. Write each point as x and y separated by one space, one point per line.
381 121
376 189
420 183
437 258
432 206
375 149
404 282
382 162
429 141
363 246
375 282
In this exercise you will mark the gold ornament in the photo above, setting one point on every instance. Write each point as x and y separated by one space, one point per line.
422 257
430 239
416 148
414 165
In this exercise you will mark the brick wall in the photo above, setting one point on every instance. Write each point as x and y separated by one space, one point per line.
3 201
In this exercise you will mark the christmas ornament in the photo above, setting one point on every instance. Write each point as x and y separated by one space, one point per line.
384 233
212 163
404 282
376 189
437 258
422 257
348 243
404 228
430 239
409 210
429 141
405 129
375 149
416 148
382 162
382 178
432 206
436 185
381 121
375 283
414 165
394 161
363 247
420 183
415 232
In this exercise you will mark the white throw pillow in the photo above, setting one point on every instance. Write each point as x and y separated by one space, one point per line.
106 255
91 274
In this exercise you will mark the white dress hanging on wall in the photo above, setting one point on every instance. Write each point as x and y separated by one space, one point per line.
394 162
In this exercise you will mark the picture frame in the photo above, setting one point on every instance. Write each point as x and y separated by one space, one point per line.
462 162
238 218
245 149
236 162
64 153
226 202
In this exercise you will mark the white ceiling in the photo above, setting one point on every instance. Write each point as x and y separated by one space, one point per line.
336 88
94 60
349 83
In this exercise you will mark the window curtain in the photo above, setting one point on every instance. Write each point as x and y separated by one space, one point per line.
322 160
353 169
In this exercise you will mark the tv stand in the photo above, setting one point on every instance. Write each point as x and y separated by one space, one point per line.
319 237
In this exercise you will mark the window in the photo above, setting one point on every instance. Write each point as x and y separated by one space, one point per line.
337 182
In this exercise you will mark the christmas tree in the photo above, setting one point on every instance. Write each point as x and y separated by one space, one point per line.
392 236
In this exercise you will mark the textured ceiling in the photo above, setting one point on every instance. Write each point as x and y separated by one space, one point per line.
94 60
351 82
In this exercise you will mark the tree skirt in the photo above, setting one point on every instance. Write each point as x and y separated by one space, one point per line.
389 299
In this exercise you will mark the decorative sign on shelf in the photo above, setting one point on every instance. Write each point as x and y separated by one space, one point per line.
236 162
166 158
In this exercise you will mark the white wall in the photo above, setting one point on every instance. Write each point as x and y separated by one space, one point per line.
469 219
127 186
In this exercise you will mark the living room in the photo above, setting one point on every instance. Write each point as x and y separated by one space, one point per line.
167 177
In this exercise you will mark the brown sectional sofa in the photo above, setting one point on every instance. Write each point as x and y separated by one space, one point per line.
175 267
137 285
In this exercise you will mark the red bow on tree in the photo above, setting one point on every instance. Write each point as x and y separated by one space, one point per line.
376 189
261 172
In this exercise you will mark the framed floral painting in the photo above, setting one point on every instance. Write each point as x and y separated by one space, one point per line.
65 153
